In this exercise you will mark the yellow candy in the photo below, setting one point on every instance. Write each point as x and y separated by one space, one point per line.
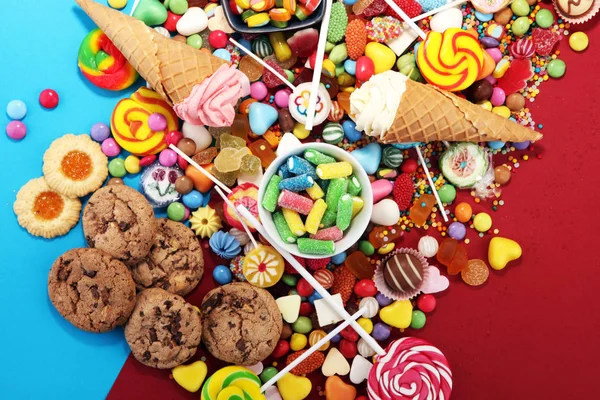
260 19
328 68
502 251
263 266
503 111
382 56
315 192
501 68
117 4
482 222
190 377
386 248
366 324
315 215
451 61
209 7
292 387
217 386
300 131
357 205
294 221
334 170
579 41
398 314
243 4
487 105
132 164
282 50
261 5
298 341
314 338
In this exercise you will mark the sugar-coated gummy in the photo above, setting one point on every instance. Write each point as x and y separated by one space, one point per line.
316 247
317 158
294 222
283 229
299 166
354 186
313 220
340 169
344 214
294 201
337 188
329 219
269 201
315 192
284 172
296 183
332 233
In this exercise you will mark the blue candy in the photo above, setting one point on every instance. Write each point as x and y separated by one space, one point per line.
222 54
222 275
284 171
313 297
206 198
261 117
495 144
296 183
193 199
339 258
429 5
350 65
323 184
521 145
245 43
368 157
350 131
299 166
483 17
16 109
336 338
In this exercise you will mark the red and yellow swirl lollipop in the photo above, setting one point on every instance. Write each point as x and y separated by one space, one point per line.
130 127
452 60
103 64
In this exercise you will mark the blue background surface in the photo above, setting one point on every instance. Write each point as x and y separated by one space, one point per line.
43 356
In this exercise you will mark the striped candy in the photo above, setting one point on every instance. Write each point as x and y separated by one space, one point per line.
232 383
333 133
262 47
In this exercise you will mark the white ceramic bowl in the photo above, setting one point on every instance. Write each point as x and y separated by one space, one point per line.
360 221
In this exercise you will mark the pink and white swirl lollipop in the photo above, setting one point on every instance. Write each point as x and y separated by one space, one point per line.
411 369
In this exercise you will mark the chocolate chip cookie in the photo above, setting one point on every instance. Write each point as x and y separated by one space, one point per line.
241 323
164 331
91 289
175 262
120 221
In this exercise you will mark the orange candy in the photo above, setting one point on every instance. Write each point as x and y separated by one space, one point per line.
201 182
356 39
359 265
488 66
453 255
280 14
421 209
463 212
337 389
245 105
343 99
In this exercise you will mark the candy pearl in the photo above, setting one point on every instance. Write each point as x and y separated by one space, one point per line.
457 230
218 39
110 147
381 331
426 303
167 158
16 130
100 132
498 96
383 300
48 98
116 168
157 122
258 91
16 109
176 211
222 275
282 98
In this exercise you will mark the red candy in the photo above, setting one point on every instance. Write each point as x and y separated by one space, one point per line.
334 233
306 309
403 191
364 68
375 8
349 334
218 39
365 288
183 164
173 137
303 288
410 8
317 263
291 270
295 202
171 23
522 48
426 303
516 76
409 166
348 348
49 98
269 78
324 277
147 160
544 41
281 349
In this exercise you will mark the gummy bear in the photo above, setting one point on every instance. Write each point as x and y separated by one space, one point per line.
453 255
421 209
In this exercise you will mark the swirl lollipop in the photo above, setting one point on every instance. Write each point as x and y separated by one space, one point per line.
103 64
452 60
411 369
232 383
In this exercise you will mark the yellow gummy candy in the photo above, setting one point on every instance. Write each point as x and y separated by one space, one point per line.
334 170
298 341
315 192
314 216
294 221
190 377
283 51
357 205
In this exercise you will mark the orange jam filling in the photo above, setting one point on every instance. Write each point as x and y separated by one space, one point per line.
48 205
76 165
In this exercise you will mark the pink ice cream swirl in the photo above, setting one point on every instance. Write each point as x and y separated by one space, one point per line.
411 369
212 102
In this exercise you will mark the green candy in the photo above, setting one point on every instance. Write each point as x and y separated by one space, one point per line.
195 41
289 280
354 186
289 75
329 218
333 133
261 46
520 8
447 193
344 214
337 22
392 157
366 247
418 319
316 157
151 12
302 325
520 26
544 18
283 229
269 201
339 54
279 24
329 46
344 79
178 7
556 68
339 69
116 168
267 374
176 211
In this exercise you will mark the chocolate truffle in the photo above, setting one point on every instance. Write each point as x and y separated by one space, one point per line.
403 272
480 91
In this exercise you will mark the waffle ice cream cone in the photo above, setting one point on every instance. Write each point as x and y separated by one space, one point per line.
171 68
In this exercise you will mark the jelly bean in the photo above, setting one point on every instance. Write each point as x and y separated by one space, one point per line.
313 297
502 111
298 341
304 288
365 288
578 41
366 324
350 66
350 131
447 193
364 68
281 349
366 247
520 26
339 258
258 90
544 18
195 41
267 374
498 96
556 68
282 50
16 130
426 303
418 319
520 8
383 58
147 160
381 331
302 325
289 280
176 211
173 137
222 275
132 164
348 348
16 109
167 158
193 199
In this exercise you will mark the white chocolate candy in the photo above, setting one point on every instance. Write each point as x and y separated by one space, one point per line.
364 349
326 314
359 371
428 246
371 305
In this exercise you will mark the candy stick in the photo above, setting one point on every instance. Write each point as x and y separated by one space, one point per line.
264 64
405 18
316 80
199 168
230 204
431 185
439 9
314 348
134 7
341 311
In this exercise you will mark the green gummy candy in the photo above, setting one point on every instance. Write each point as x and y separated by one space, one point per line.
283 229
337 188
344 214
354 186
250 164
316 157
316 247
269 201
329 219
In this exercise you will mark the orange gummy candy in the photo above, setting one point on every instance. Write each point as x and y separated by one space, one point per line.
421 209
359 265
343 98
453 255
337 389
240 126
263 150
382 235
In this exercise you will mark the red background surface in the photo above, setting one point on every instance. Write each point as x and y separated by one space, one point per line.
530 331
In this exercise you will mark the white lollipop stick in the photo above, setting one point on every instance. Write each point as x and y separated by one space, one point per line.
134 7
439 9
264 64
431 185
314 348
316 80
199 168
230 204
405 18
341 311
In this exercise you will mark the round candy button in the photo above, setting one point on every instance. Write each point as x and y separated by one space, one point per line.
556 68
16 109
299 100
49 98
579 41
16 130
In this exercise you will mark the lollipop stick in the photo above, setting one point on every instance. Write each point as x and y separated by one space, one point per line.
316 80
135 4
314 348
230 204
199 168
406 18
264 64
431 185
341 311
437 10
